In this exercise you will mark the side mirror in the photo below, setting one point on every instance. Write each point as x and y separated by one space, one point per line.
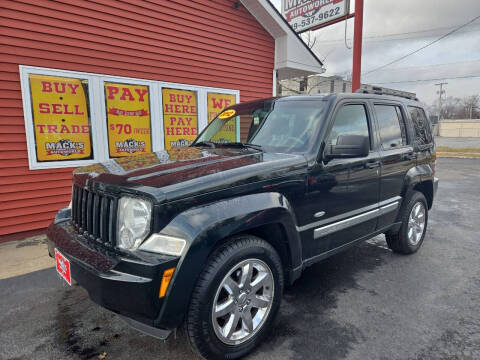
348 146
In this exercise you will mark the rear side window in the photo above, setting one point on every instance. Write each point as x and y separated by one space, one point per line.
391 126
350 120
421 126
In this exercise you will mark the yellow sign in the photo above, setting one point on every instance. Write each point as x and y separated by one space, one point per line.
180 117
128 119
216 103
226 114
60 118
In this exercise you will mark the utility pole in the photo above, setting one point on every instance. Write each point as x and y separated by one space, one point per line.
357 46
440 93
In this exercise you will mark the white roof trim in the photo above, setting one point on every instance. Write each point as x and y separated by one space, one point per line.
292 56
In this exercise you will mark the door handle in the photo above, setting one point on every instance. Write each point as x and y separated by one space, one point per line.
372 164
409 156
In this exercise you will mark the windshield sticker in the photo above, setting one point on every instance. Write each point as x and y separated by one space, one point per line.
227 114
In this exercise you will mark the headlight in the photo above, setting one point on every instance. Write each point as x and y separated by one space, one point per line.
133 222
164 244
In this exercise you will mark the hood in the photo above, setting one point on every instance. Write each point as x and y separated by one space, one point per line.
178 172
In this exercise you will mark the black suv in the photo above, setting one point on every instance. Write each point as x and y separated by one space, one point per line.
208 236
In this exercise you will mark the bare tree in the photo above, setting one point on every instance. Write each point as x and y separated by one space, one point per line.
471 104
456 108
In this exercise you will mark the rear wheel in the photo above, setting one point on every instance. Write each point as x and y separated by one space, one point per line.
414 225
236 299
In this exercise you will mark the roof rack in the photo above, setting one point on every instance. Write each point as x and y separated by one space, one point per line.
379 91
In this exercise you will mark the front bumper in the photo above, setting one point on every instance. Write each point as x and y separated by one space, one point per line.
127 284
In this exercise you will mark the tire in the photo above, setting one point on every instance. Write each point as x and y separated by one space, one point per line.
207 329
409 239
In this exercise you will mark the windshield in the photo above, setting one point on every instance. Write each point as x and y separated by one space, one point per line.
283 126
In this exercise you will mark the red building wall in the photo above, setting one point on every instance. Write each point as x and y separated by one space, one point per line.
198 42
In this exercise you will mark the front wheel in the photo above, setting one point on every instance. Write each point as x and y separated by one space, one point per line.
236 299
414 225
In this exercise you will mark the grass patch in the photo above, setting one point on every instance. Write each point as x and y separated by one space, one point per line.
445 151
462 150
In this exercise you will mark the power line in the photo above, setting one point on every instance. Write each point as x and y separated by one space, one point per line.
423 80
382 37
429 66
423 47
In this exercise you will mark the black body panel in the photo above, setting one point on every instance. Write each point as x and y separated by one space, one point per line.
205 195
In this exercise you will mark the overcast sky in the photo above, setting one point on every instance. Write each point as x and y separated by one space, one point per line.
393 28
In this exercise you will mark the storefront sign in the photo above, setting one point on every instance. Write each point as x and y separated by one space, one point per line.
128 119
60 118
305 14
216 103
180 117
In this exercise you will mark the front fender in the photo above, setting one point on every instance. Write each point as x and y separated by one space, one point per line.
204 226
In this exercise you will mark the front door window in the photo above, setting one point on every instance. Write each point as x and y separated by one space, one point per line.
350 120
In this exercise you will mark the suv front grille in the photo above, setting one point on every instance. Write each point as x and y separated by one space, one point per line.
94 215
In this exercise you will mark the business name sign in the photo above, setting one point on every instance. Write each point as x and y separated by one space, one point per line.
128 119
60 118
305 14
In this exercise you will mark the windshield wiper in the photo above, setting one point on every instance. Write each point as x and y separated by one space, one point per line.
205 143
244 145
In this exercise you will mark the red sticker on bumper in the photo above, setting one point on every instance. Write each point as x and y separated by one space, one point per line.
63 267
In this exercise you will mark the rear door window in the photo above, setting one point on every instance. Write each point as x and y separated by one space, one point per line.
391 126
421 126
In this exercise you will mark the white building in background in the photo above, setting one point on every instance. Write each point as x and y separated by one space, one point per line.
318 84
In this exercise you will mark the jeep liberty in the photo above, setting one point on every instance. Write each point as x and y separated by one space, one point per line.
207 236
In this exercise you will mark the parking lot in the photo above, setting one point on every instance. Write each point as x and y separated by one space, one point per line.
366 303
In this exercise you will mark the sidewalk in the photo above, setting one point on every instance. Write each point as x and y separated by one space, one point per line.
24 256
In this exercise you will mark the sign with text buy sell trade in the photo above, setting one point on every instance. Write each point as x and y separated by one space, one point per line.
305 14
180 117
128 119
216 103
60 118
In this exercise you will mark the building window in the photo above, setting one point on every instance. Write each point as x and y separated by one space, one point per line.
344 87
332 86
180 117
302 85
75 119
60 114
128 116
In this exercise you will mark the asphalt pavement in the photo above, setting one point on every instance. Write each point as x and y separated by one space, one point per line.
364 304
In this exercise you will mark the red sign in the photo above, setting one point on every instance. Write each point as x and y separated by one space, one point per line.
63 267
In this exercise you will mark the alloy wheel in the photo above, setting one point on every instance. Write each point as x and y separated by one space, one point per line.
243 301
416 223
